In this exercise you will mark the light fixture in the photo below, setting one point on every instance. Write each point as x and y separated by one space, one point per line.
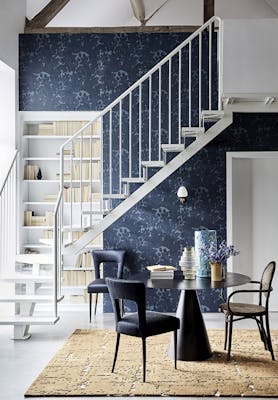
182 194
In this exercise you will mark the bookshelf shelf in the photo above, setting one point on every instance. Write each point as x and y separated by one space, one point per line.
43 133
94 159
58 137
68 268
58 181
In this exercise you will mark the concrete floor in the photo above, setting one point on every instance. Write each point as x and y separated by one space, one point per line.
22 361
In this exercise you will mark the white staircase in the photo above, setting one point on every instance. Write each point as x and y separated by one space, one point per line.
147 133
151 130
18 305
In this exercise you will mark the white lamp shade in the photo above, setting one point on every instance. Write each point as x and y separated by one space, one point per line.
182 192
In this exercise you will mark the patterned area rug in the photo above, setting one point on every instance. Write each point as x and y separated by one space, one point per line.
82 368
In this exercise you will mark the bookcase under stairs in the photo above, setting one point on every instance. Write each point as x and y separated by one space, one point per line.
42 135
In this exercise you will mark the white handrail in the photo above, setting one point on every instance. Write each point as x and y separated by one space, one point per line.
145 103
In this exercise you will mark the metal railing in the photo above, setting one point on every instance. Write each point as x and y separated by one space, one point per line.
132 129
8 217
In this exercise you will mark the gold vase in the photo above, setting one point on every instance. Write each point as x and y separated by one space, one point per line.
216 271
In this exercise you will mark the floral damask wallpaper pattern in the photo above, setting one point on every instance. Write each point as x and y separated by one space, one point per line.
86 72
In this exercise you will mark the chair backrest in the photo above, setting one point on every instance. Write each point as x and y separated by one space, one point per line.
266 280
120 289
110 256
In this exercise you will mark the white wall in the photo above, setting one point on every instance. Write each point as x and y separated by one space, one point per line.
265 218
253 214
12 20
242 214
250 56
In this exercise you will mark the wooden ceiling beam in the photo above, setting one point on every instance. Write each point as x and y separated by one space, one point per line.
117 29
138 9
208 9
46 14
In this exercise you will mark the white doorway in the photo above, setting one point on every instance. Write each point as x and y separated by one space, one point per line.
252 214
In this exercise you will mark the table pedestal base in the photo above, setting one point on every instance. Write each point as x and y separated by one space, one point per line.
193 343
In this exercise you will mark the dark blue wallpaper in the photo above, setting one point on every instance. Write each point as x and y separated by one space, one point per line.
157 228
83 72
77 72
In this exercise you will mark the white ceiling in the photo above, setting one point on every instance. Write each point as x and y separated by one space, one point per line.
90 13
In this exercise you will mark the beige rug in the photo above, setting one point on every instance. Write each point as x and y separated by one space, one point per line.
82 368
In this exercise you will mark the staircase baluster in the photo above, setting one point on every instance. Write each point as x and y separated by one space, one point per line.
130 135
120 147
189 84
179 96
210 60
150 117
91 181
140 132
110 152
81 180
200 79
170 101
71 199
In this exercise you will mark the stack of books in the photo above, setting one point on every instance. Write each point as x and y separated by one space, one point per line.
162 271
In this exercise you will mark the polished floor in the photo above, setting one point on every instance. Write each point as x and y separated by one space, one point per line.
22 361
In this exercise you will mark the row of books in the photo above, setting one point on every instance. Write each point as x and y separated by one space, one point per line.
74 194
84 260
38 220
86 168
68 128
32 172
77 278
68 236
86 149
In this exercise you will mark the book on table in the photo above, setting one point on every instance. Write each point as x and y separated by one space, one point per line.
162 271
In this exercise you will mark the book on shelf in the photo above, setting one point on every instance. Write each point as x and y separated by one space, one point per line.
77 278
74 194
84 260
31 171
38 220
46 129
50 198
87 169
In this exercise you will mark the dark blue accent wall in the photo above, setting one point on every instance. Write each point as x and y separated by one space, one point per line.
86 72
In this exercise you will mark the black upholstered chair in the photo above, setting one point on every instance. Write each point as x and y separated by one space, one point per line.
141 323
99 285
259 312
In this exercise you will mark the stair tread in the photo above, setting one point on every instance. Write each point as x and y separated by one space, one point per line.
212 115
154 164
18 320
172 147
133 180
115 196
102 212
34 259
192 131
27 277
36 298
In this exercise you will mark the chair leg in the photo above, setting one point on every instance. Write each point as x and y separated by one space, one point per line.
230 337
96 303
260 324
144 358
175 349
90 306
226 332
116 351
269 337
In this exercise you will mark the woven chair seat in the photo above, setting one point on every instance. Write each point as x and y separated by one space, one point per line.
243 308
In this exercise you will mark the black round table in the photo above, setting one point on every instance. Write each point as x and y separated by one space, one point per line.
193 343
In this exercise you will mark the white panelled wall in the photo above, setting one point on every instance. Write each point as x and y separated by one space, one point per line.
252 182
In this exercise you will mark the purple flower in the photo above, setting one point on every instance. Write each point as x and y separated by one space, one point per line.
214 253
